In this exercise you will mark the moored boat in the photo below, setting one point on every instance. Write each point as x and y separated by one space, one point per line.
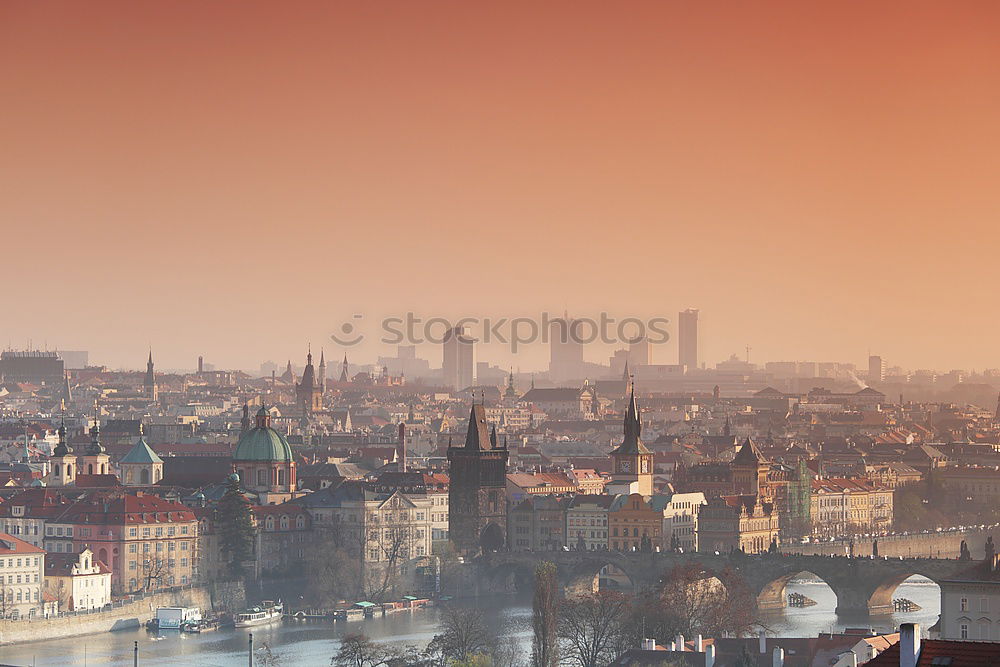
267 612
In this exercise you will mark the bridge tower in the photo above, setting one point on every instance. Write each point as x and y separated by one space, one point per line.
477 494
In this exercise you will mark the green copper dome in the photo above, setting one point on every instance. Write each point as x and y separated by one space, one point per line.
262 443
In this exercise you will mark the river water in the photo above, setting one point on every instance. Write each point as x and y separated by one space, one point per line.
314 643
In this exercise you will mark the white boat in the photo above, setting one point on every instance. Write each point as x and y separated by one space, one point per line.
267 612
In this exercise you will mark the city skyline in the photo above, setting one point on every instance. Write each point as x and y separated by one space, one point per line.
812 178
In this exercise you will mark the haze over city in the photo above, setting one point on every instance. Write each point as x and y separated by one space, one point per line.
441 333
237 179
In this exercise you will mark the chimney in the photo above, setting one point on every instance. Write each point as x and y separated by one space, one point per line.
762 642
648 644
679 642
698 645
778 658
710 655
909 644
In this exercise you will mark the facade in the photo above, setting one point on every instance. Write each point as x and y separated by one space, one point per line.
284 533
77 581
737 523
970 605
839 506
477 491
587 522
22 571
680 519
538 523
147 542
634 523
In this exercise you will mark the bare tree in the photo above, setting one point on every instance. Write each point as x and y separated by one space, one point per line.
592 629
691 601
333 561
465 634
357 650
545 617
154 572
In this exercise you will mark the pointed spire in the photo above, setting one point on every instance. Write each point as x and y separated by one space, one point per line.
632 442
478 435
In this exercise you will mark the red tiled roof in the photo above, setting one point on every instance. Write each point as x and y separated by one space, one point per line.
962 654
12 545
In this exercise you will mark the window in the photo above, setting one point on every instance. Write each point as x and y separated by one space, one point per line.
963 630
984 604
963 605
131 532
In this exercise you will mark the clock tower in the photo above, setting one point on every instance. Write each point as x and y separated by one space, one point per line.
633 461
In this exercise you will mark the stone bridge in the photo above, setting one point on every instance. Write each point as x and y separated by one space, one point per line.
862 585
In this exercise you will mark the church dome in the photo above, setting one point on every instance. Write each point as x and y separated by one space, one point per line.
262 443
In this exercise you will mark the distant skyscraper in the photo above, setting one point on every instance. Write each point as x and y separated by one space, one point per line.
458 361
687 338
565 350
876 369
640 352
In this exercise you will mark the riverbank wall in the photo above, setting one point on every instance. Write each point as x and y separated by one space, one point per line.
219 596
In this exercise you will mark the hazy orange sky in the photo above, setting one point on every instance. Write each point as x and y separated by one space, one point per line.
234 179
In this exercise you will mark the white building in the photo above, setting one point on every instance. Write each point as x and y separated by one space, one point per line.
680 519
78 581
970 604
21 573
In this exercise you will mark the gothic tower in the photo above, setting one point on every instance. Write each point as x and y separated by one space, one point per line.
321 377
308 396
633 461
149 382
477 496
748 470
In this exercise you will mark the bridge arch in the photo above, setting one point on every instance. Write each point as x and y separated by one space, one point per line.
509 577
880 601
586 576
773 594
